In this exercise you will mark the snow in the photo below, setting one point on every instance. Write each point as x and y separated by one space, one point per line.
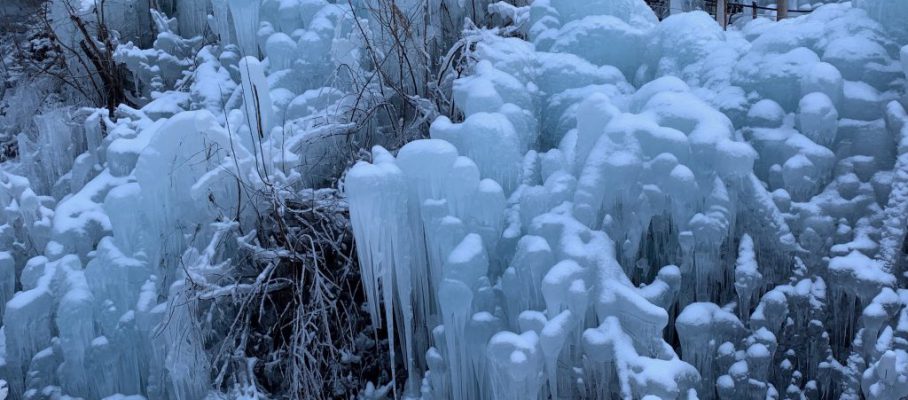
861 101
864 275
824 78
576 36
818 118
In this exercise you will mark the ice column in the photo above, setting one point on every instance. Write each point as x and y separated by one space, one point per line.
246 25
377 194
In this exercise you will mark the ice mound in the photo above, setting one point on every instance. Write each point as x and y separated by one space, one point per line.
728 191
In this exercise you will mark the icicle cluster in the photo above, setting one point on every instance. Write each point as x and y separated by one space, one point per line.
737 194
110 223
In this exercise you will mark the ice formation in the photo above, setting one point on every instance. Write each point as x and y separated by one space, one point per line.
618 206
685 212
109 220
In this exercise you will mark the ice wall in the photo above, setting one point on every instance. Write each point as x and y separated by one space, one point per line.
621 208
736 192
113 224
110 242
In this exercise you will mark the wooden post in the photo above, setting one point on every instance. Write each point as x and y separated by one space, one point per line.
781 9
753 6
721 13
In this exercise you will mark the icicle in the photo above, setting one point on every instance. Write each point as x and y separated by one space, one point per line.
245 14
516 365
220 22
7 279
193 16
374 190
256 97
748 279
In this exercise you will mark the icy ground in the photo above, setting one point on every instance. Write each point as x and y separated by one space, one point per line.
622 207
642 209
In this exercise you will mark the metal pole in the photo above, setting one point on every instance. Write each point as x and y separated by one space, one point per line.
721 13
781 9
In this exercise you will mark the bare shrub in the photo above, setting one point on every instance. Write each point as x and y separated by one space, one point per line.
290 312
